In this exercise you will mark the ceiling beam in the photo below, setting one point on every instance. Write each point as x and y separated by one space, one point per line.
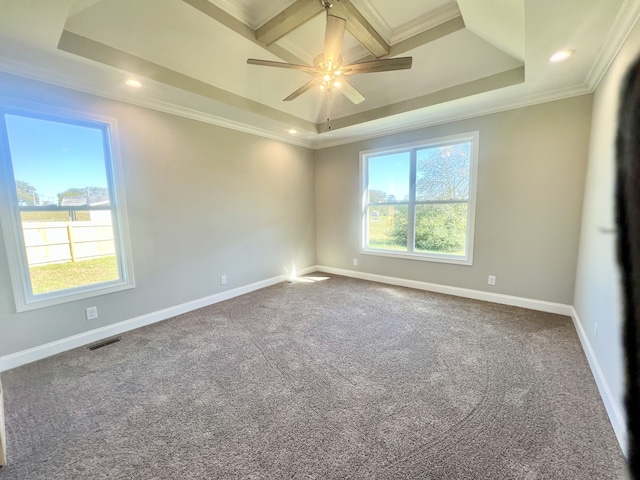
303 10
434 33
486 84
287 20
85 47
362 30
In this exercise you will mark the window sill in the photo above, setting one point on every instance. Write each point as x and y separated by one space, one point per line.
71 295
454 260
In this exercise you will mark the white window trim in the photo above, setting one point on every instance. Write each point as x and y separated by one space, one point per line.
12 225
474 138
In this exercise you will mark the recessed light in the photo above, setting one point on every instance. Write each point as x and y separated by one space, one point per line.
561 55
132 82
292 131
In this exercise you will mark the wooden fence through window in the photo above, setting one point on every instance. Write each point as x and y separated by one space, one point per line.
58 242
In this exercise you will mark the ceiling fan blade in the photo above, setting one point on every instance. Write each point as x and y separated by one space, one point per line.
351 92
269 63
333 39
384 65
301 90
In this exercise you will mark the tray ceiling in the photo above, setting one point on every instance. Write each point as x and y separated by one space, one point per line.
190 56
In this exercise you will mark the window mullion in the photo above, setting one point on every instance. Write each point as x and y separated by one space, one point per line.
411 208
365 205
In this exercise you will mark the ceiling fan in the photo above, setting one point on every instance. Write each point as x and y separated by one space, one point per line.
328 72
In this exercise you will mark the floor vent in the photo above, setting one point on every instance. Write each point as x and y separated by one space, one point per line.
104 343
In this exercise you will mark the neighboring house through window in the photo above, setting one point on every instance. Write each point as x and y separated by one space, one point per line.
63 213
419 200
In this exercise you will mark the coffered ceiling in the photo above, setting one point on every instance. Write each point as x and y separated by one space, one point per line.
469 57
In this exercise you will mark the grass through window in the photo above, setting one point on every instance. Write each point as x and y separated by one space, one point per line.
60 276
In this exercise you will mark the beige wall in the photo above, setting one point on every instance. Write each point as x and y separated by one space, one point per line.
532 164
598 298
202 201
205 201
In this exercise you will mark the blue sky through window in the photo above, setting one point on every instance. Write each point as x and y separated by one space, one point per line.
53 156
390 174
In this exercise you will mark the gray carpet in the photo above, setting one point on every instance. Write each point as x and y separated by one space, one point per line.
339 378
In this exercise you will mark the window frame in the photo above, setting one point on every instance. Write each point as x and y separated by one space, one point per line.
411 254
11 220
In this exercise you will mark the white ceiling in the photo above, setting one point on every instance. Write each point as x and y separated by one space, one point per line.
469 58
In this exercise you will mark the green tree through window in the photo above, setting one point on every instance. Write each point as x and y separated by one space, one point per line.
420 200
27 194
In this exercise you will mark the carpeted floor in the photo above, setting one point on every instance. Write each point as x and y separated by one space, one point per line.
335 378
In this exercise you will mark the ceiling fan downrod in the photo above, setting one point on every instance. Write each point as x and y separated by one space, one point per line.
328 93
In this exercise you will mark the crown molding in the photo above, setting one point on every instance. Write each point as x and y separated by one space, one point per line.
409 29
627 17
233 9
268 10
463 111
39 74
374 17
424 23
381 127
211 119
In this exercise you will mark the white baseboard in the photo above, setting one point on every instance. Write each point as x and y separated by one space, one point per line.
23 357
614 410
539 305
613 407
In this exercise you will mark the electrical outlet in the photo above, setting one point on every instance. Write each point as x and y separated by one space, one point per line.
91 313
223 279
492 280
355 261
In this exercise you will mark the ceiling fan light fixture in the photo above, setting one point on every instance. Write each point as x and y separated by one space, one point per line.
329 80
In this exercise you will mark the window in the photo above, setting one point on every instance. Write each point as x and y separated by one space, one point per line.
419 200
63 214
